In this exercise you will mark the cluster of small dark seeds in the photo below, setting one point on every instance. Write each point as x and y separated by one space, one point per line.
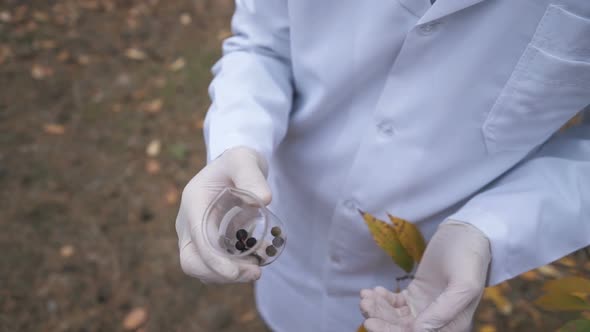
277 241
244 242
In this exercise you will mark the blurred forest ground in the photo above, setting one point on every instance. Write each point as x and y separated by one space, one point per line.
101 108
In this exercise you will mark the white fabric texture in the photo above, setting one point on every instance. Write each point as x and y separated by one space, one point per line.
425 112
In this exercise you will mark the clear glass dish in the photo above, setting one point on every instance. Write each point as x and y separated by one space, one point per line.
239 226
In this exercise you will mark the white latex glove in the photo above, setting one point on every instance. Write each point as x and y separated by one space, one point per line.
446 290
242 168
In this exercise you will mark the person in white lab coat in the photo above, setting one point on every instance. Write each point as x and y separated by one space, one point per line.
446 115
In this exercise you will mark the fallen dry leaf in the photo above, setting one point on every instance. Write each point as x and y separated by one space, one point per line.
63 56
172 196
531 310
54 129
40 16
152 166
139 94
248 316
153 148
66 251
5 53
549 271
117 108
530 276
40 72
83 59
487 328
223 34
135 319
46 44
568 261
5 16
135 54
200 123
177 65
159 82
153 106
185 19
495 295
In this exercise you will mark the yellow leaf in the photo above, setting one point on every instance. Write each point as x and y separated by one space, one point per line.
387 239
361 329
495 295
568 261
549 271
531 275
574 121
560 301
578 325
568 285
487 328
410 237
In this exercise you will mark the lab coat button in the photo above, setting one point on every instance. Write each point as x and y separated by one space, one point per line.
386 128
335 258
349 204
429 28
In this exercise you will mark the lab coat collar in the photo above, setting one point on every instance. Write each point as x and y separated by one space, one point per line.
443 8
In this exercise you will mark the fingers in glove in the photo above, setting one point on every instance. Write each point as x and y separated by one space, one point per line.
395 299
378 325
193 265
378 304
248 171
457 301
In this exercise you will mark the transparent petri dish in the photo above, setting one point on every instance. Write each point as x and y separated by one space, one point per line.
238 225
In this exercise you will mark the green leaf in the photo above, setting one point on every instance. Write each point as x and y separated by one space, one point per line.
559 301
578 325
410 237
568 285
386 238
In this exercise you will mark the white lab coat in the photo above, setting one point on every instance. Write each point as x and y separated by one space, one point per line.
426 112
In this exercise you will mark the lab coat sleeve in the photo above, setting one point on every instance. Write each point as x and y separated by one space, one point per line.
540 210
251 91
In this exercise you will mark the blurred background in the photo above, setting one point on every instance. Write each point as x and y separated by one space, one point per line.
101 114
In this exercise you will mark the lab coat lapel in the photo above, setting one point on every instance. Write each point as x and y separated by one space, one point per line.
443 8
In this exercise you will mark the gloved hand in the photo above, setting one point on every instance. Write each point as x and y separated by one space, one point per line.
446 290
242 168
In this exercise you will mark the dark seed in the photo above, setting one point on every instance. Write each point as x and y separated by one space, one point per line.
271 251
242 234
240 246
275 231
251 242
278 241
